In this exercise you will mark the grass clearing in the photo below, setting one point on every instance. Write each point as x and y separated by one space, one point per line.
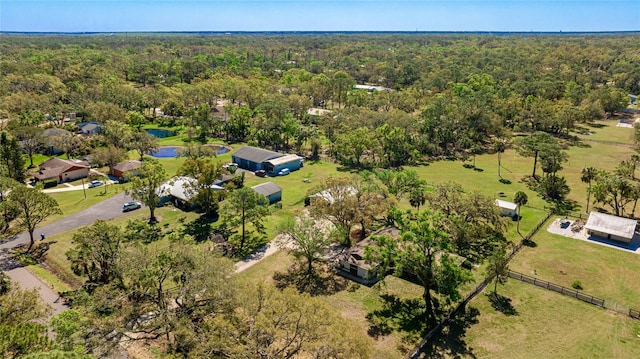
545 325
607 273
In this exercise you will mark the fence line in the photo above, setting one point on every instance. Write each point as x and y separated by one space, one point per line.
417 350
613 143
570 292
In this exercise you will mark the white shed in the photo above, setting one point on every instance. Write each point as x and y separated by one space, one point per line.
509 209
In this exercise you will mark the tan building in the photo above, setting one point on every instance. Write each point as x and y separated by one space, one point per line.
62 170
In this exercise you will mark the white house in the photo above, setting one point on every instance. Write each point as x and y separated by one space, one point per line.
610 227
509 209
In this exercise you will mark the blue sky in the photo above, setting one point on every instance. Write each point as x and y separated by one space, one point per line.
318 15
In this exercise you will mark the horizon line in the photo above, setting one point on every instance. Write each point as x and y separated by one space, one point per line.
293 32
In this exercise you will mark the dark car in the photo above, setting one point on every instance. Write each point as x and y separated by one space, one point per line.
260 173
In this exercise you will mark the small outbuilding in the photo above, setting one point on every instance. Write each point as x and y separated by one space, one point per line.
606 226
291 162
272 191
121 168
253 158
507 208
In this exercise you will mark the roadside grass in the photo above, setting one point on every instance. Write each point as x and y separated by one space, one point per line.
56 260
607 273
540 324
71 202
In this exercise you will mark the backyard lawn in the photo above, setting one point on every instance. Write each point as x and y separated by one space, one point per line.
604 272
537 323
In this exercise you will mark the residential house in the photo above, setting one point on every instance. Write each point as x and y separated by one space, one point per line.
62 170
253 158
270 190
90 128
353 265
180 191
606 226
52 136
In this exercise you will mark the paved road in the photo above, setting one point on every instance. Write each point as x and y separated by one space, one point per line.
107 209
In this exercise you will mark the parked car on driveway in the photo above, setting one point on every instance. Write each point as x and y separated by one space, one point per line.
260 173
95 184
130 206
284 172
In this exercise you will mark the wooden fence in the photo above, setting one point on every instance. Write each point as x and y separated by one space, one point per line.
557 288
415 352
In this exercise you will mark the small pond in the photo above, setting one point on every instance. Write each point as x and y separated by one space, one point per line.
170 151
160 133
165 152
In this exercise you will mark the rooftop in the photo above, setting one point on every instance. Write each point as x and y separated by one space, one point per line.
255 154
266 189
606 223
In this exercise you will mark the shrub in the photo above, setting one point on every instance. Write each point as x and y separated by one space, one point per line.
576 285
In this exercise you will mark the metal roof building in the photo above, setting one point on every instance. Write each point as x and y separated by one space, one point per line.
611 227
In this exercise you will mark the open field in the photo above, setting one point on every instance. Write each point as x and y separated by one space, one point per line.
540 324
73 201
606 273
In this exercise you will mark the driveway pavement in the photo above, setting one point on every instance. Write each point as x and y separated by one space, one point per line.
107 209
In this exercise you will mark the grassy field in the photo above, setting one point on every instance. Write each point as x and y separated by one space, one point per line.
546 324
604 272
537 324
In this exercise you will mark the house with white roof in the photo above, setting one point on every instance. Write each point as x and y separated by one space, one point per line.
606 226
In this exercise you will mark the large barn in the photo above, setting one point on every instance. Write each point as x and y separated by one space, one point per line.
606 226
253 158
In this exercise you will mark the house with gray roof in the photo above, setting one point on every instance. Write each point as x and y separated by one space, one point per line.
272 191
253 158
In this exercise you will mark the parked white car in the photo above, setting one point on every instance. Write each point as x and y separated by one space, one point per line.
95 184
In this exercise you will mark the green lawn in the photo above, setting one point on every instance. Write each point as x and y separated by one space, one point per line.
73 201
607 131
607 273
542 324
